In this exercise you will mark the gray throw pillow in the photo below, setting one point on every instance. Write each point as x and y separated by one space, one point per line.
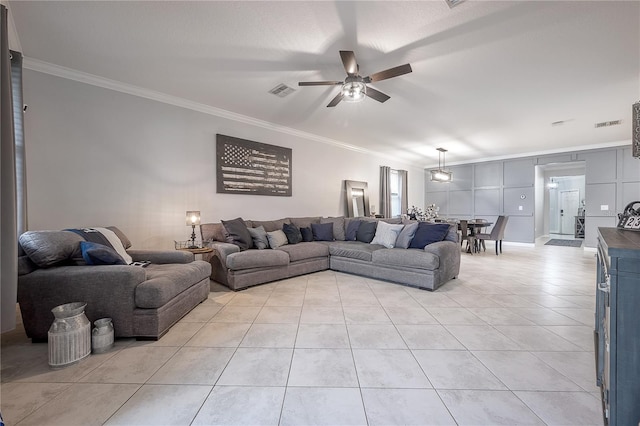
277 239
406 235
238 233
338 226
259 237
48 248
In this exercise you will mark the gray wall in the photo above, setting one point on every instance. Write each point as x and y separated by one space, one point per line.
100 157
508 187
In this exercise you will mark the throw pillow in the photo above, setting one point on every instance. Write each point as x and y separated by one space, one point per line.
322 231
238 233
428 233
338 226
352 229
366 231
277 239
386 234
259 237
307 234
292 232
98 254
406 235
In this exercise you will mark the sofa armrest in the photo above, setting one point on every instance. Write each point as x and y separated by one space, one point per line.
108 291
218 260
162 256
449 254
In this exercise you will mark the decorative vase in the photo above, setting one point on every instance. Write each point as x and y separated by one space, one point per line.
102 335
69 336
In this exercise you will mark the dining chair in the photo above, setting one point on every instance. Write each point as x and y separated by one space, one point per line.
466 235
480 229
496 234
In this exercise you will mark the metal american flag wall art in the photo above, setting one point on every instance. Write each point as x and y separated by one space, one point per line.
252 168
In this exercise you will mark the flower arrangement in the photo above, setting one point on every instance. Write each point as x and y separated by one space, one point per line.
430 213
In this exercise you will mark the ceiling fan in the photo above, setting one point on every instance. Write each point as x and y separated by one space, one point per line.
354 87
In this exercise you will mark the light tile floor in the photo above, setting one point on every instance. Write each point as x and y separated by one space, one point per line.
508 342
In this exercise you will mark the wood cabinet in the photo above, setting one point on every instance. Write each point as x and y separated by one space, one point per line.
617 325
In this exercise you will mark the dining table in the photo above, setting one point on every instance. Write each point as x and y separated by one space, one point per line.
474 228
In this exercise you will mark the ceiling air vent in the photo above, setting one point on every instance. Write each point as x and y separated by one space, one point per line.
608 123
453 3
282 90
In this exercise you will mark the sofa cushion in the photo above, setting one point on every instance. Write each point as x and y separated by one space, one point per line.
270 225
386 234
99 254
411 258
277 238
292 232
259 237
307 234
428 233
251 259
238 233
322 231
354 250
213 232
406 235
366 231
305 251
164 282
304 222
351 229
48 248
338 226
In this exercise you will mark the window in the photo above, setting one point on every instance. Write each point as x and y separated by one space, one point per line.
395 185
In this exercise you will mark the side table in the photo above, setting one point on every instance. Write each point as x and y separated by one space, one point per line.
197 250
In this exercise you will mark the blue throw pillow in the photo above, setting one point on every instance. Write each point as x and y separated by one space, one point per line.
98 254
307 234
352 229
366 231
322 231
428 233
292 232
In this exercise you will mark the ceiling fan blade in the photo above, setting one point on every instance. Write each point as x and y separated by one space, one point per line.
319 83
391 72
335 101
377 95
349 62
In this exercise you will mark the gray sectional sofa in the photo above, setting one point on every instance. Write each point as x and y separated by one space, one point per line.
142 302
427 268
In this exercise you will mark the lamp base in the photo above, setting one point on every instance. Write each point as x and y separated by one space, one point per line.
193 238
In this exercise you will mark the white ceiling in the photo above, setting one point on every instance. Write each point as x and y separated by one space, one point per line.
488 77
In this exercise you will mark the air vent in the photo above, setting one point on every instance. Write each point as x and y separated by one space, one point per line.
282 90
609 123
453 3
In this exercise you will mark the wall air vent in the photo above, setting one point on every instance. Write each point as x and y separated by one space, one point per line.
282 90
609 123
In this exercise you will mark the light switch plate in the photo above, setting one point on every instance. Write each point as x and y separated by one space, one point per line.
604 207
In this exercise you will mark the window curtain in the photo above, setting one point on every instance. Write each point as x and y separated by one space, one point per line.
404 201
385 191
8 198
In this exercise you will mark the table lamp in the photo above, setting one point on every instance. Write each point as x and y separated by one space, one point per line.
193 219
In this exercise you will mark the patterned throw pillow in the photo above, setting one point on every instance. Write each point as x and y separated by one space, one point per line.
406 235
292 232
386 234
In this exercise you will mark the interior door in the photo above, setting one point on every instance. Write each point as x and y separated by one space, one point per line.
569 203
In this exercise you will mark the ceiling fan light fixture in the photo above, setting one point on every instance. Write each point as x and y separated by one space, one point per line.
354 91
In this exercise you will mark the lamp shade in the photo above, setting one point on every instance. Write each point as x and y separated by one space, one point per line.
193 218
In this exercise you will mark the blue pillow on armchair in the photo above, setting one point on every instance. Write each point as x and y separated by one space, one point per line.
99 254
428 233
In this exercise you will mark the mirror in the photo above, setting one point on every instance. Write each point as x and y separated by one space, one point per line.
356 198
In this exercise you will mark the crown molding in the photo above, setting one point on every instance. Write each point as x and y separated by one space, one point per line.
105 83
14 39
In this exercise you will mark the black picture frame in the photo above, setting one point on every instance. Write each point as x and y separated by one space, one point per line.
252 168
